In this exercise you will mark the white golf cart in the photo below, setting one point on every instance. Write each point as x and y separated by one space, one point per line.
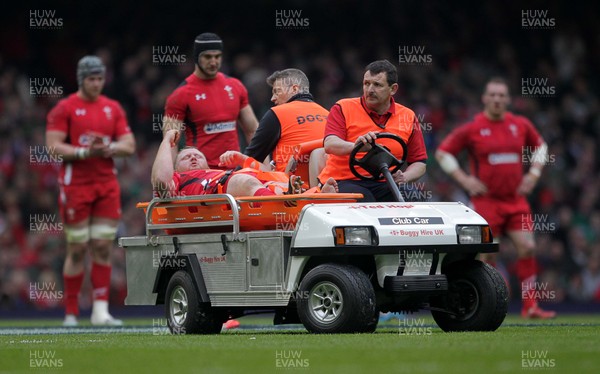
324 260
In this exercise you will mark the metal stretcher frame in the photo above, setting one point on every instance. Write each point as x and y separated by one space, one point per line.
223 210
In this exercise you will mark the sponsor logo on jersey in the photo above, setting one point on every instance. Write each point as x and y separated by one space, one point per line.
200 96
80 112
214 128
504 158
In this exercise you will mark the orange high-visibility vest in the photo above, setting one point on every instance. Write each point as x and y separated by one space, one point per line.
358 122
301 121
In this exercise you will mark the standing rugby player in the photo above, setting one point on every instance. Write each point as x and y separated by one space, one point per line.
208 105
498 184
88 130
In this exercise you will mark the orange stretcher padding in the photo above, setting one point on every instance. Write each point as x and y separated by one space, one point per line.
300 150
307 147
279 212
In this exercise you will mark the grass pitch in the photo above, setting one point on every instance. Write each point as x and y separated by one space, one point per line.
569 344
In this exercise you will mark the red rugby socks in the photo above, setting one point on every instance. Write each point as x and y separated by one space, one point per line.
72 284
100 278
527 274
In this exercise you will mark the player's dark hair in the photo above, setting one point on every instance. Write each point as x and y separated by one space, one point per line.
384 66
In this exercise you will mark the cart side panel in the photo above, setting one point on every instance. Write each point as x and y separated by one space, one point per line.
141 269
222 273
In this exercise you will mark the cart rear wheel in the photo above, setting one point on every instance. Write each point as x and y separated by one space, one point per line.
477 299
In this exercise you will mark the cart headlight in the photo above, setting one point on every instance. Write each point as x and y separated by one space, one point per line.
474 234
356 235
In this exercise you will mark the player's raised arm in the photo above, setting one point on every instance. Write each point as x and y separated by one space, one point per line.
164 163
171 123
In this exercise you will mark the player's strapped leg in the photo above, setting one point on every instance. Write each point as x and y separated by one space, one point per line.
103 235
77 240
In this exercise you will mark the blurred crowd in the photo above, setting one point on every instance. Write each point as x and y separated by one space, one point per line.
465 48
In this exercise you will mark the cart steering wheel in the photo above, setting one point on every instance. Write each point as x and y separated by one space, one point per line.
377 158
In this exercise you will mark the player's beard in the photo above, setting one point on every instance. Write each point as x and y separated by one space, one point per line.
207 73
90 93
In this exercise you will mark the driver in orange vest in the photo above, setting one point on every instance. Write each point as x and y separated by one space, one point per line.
357 121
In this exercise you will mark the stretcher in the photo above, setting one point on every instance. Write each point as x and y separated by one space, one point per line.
214 213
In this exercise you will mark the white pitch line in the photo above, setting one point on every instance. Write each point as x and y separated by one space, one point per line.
20 331
77 330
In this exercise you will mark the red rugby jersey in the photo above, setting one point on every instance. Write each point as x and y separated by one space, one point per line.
496 150
209 109
196 182
79 118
